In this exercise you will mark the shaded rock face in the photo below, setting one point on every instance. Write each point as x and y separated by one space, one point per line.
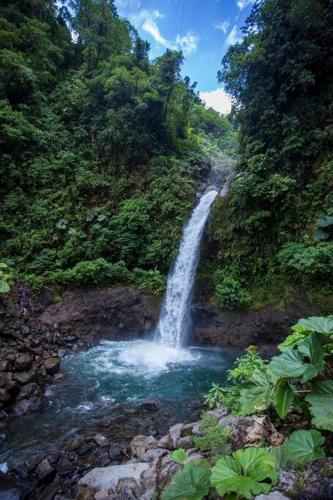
264 328
112 313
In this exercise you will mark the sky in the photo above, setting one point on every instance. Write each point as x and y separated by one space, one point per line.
202 29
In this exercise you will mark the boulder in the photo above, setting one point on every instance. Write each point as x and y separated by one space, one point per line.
52 365
141 444
253 431
175 433
23 362
4 395
107 478
28 391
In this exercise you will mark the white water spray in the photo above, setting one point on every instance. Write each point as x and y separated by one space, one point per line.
175 315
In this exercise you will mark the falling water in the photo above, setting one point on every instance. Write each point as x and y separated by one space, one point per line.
175 315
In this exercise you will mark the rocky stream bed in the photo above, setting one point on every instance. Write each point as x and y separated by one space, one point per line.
62 465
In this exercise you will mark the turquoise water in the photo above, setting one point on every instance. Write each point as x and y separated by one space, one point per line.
96 381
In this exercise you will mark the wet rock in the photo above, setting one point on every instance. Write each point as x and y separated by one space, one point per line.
253 431
228 421
4 395
4 366
149 404
44 470
287 482
187 430
23 362
75 444
101 440
25 377
28 391
107 478
52 365
9 490
26 406
5 379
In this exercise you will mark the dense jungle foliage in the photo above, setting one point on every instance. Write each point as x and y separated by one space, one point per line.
101 148
274 232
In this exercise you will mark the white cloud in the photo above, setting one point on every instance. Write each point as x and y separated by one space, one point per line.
223 26
217 99
233 36
187 43
147 20
244 3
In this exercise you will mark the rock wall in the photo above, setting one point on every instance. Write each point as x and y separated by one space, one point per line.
111 313
264 328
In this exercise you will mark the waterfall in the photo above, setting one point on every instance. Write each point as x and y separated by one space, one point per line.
175 315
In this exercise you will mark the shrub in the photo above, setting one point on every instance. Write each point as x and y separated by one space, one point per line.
308 265
92 272
214 438
230 295
151 280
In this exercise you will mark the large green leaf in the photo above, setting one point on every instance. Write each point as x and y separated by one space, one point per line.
283 398
257 395
304 446
190 483
325 221
291 363
246 473
318 324
179 455
321 405
4 287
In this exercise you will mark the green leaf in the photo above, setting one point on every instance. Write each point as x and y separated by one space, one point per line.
283 399
257 396
321 405
304 446
291 363
317 324
3 265
190 483
246 473
179 456
4 287
292 340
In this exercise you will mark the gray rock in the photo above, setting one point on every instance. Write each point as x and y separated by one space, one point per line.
25 377
273 495
5 379
27 405
23 362
101 440
29 390
175 433
185 442
218 413
4 366
44 470
141 444
4 395
252 431
107 478
228 421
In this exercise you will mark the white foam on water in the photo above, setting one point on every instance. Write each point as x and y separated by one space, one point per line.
4 467
139 358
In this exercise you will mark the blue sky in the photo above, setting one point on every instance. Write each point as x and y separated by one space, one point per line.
202 29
